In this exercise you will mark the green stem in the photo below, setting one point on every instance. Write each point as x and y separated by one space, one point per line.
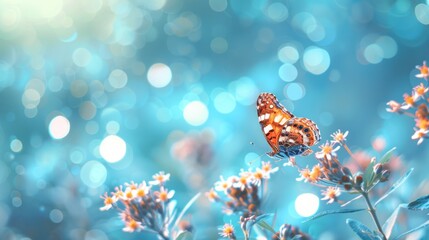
373 214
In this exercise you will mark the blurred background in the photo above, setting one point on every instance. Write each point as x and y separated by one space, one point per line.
97 93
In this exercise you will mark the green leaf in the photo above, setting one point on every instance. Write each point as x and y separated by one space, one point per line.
421 204
398 183
368 176
328 212
362 231
423 225
266 226
390 222
387 156
184 236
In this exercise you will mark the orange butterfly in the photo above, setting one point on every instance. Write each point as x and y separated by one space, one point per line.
287 135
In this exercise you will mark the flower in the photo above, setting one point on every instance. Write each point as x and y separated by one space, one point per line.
243 180
129 194
422 124
409 102
339 137
424 71
212 195
163 195
316 173
331 193
108 202
132 225
267 169
419 91
160 178
420 134
142 189
222 184
393 106
227 231
327 150
304 175
257 176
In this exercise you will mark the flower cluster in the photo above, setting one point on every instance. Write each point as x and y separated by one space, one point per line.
142 207
242 193
335 177
417 103
286 231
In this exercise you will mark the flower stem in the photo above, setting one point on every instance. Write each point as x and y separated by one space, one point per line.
348 150
373 214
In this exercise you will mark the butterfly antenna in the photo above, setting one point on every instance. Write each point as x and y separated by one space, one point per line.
258 157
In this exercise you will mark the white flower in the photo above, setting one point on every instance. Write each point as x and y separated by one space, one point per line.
339 137
420 134
327 150
222 184
160 178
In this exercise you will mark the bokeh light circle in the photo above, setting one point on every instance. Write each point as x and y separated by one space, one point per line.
218 5
288 72
56 216
288 54
159 75
294 91
219 45
195 113
277 12
59 127
112 148
93 174
316 60
118 78
306 204
373 53
224 102
422 13
16 145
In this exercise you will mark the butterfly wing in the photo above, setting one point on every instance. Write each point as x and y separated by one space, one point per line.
297 135
272 117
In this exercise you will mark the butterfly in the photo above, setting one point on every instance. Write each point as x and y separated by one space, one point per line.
286 134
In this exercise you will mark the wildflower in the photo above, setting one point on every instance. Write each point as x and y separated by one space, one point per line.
422 123
327 151
222 185
316 173
339 137
160 178
305 175
409 102
142 190
132 225
212 195
420 91
420 134
118 192
108 202
243 180
331 193
268 169
163 195
393 106
424 71
132 185
227 231
129 194
257 176
422 112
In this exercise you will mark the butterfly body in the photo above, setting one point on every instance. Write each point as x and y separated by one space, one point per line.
286 134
